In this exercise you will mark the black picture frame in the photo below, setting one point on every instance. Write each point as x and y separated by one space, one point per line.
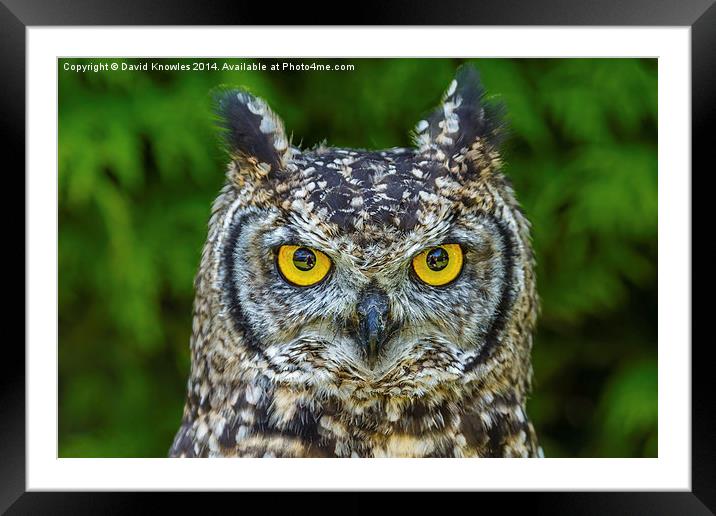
17 15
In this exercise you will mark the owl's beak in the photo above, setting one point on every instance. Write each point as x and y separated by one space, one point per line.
372 311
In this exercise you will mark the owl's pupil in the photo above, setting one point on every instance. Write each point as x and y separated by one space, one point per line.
304 259
437 259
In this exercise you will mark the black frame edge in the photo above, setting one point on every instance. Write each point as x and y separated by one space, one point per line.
703 114
396 12
12 146
592 503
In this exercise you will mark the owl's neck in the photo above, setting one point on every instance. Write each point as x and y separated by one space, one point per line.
259 418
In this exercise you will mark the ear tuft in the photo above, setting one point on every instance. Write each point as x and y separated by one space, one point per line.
462 118
254 135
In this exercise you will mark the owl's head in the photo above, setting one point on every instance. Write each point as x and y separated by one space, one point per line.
359 272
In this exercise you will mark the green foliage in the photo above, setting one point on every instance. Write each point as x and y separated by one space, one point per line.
139 166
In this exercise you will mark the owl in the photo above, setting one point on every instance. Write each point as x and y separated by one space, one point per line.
363 303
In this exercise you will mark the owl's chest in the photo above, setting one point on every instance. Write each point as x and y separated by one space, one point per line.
288 424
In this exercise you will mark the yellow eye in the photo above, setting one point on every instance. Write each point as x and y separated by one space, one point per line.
302 266
439 265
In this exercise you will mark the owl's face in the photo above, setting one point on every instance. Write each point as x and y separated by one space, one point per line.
358 272
367 305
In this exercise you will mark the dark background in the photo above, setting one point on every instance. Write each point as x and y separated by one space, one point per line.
139 166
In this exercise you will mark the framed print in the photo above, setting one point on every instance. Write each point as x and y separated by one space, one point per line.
427 248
